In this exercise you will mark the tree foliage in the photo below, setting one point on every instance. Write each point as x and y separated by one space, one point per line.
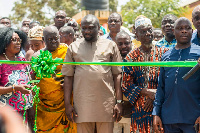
113 5
153 9
42 10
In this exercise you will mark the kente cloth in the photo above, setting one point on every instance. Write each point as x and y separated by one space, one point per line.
51 109
15 75
164 43
135 78
93 87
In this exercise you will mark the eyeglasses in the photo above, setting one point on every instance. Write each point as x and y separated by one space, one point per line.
16 40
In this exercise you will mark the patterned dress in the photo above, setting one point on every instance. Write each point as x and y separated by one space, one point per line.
135 78
15 74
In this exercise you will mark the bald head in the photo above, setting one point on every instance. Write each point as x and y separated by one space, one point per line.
26 22
90 19
196 18
90 27
61 12
60 19
66 34
123 34
182 19
123 41
183 31
196 10
50 30
51 38
170 16
115 15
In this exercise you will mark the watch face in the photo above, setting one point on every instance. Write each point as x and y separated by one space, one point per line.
119 101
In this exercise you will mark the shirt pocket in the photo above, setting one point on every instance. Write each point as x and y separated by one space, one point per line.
104 56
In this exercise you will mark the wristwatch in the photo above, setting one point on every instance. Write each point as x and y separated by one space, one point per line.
119 101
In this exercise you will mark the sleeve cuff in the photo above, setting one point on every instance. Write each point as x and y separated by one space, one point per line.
156 110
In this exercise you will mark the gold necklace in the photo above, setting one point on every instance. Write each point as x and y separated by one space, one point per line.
7 57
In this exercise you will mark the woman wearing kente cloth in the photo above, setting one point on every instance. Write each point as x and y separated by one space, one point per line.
51 116
14 78
140 82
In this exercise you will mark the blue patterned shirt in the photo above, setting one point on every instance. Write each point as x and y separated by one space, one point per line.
164 43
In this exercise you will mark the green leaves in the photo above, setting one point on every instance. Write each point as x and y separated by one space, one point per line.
153 9
42 10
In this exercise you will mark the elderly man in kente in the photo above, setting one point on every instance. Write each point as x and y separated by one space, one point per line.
167 25
177 102
140 82
13 78
51 109
96 88
196 20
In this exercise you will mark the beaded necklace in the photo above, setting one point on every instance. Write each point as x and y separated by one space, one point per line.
7 57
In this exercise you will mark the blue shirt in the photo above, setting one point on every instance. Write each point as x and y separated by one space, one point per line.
178 101
195 38
107 36
164 43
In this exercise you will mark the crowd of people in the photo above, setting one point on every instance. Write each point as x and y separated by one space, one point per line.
98 98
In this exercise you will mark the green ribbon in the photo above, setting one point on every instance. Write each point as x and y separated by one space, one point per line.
44 65
158 64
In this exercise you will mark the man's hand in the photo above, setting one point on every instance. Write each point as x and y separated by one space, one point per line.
149 93
70 112
197 122
117 112
157 124
148 106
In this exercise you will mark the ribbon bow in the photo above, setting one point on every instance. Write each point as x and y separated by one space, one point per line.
44 65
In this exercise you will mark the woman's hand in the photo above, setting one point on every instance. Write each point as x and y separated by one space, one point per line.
22 89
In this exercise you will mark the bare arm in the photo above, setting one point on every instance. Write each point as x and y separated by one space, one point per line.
4 90
21 88
119 96
117 85
68 86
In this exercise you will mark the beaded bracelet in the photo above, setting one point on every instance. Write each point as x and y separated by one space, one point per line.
14 88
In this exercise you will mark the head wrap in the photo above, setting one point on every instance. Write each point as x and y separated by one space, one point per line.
36 33
103 29
142 21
